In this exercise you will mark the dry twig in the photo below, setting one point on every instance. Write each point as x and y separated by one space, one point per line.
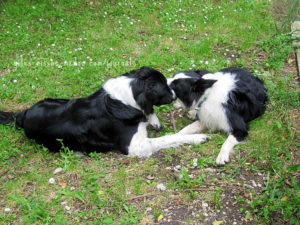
172 119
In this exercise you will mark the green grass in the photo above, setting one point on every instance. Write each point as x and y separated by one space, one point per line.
65 49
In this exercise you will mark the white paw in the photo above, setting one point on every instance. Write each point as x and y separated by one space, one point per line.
154 122
200 138
192 114
222 158
177 105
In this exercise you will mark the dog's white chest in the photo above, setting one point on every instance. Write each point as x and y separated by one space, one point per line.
212 113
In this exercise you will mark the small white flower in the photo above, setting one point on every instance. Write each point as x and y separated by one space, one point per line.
111 49
195 162
80 39
51 180
59 66
38 44
15 81
7 209
193 65
61 20
16 63
105 13
53 45
33 87
75 64
171 39
72 188
33 7
83 62
40 19
206 62
19 26
131 23
67 208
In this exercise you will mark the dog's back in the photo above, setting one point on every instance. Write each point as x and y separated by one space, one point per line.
248 98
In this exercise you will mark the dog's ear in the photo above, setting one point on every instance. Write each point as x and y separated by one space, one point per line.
123 112
144 103
202 84
145 72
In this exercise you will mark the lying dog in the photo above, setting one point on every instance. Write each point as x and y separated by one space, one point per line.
114 117
226 100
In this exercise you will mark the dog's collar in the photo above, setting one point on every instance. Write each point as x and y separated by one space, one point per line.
200 103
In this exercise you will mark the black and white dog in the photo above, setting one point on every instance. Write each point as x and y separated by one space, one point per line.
113 118
226 100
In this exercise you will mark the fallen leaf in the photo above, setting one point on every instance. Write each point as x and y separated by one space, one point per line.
246 173
252 160
217 222
160 218
62 184
127 161
247 195
101 193
150 177
290 61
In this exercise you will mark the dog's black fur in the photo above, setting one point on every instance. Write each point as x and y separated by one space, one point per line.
97 122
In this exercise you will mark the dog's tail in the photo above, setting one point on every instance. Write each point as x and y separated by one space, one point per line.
7 117
11 117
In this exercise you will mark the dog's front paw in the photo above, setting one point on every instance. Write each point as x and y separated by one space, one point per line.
154 122
177 105
222 158
192 114
201 138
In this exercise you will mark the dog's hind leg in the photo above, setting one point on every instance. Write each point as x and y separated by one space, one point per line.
193 128
226 150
